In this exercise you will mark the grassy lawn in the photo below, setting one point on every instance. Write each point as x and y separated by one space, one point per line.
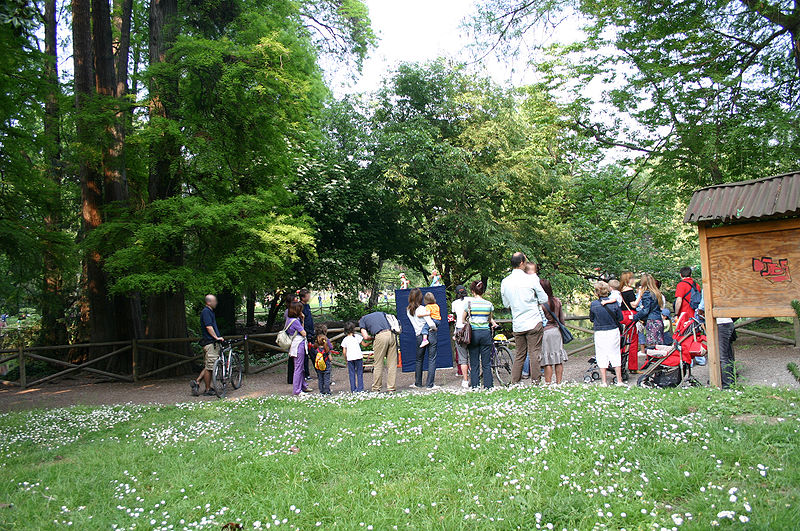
573 457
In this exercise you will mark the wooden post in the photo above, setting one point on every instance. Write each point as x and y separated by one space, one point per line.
135 359
246 356
23 377
714 370
797 332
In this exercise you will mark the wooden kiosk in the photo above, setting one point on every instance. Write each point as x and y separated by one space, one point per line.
750 251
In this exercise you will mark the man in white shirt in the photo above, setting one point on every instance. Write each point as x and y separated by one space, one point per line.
523 294
725 338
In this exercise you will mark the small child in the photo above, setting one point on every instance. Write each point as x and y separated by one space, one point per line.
615 293
351 348
433 318
322 347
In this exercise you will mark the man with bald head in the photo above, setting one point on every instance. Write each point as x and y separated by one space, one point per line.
522 293
211 347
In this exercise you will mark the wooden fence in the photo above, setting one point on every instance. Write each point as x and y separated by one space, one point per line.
263 341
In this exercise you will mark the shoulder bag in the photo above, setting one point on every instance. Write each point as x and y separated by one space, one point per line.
566 335
284 340
464 334
613 317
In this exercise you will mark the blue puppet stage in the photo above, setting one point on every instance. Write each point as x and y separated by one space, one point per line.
408 342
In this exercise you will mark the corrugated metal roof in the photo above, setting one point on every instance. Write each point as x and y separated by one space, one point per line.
771 197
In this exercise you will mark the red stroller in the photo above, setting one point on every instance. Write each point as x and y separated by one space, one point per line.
671 365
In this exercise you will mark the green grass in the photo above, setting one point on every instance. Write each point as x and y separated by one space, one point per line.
573 457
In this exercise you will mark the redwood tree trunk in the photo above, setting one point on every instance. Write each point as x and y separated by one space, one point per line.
166 312
54 327
250 319
96 308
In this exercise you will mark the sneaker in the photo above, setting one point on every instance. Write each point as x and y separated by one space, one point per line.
525 376
210 392
412 386
424 344
434 386
621 384
195 388
603 385
464 384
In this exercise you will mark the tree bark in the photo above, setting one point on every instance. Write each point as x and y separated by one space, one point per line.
96 310
250 319
373 296
227 302
274 306
166 312
54 327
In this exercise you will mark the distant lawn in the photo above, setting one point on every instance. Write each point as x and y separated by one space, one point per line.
574 458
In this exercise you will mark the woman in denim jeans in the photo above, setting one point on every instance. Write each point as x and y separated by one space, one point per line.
478 313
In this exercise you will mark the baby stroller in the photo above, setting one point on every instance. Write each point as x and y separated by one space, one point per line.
671 365
593 372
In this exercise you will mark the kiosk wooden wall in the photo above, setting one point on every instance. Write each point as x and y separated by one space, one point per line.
748 271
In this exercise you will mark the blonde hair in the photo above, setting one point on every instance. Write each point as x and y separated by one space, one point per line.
602 289
626 279
649 284
430 298
614 284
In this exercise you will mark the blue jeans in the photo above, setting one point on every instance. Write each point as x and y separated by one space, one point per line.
324 379
429 351
426 330
480 358
355 370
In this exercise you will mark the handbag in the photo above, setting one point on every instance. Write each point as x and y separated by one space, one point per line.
566 335
283 340
464 334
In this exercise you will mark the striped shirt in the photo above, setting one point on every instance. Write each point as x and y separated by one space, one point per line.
480 310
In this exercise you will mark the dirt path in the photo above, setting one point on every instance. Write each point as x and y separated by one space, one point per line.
759 364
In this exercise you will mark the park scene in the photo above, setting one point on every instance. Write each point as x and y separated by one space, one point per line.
373 265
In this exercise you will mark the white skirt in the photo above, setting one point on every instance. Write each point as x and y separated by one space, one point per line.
606 348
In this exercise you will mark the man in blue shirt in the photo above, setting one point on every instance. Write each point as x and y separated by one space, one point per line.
210 343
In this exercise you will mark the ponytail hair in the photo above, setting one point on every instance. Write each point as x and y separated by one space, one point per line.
477 287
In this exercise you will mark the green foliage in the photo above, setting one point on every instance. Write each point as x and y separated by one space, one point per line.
699 92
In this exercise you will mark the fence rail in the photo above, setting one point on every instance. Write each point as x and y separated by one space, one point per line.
136 347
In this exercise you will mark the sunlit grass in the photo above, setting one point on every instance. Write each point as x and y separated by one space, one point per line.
572 457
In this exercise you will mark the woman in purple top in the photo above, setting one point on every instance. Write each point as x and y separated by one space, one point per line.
295 329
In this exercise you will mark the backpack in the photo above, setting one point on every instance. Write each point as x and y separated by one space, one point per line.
284 340
695 296
394 324
319 361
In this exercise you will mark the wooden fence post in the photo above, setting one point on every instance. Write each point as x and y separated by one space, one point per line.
23 377
797 332
246 356
135 360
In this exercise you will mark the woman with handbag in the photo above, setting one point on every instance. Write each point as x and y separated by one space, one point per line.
478 317
553 354
297 351
462 347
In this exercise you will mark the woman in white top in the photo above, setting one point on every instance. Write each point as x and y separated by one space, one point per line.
462 351
416 314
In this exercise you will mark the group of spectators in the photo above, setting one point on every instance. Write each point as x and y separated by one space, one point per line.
635 306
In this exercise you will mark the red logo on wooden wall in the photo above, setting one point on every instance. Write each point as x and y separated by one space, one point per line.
773 271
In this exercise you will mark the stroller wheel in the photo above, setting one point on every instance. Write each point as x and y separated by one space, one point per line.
595 375
587 379
644 381
614 380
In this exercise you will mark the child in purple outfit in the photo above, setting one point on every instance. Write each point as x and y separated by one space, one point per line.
294 327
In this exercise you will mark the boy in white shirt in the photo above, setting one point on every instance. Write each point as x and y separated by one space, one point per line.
615 293
351 348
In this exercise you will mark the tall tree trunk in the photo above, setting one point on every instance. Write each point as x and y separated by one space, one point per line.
54 327
166 312
115 183
250 319
373 296
96 310
227 303
274 306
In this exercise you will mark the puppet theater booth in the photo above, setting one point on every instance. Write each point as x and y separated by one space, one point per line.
750 252
408 341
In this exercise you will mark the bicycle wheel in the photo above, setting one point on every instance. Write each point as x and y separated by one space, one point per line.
237 371
218 378
502 365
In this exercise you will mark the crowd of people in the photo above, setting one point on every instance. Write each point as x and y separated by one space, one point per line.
626 305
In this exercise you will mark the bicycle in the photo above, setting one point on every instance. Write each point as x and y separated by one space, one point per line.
228 369
502 360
